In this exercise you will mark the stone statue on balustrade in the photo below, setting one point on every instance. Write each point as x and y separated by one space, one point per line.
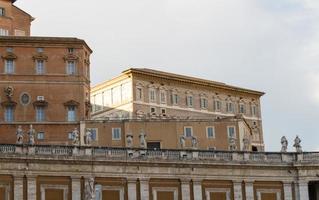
232 144
297 144
31 134
76 137
246 144
129 140
142 137
19 134
88 137
89 191
194 142
182 141
284 144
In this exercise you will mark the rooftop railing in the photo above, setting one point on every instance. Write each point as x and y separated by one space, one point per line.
179 155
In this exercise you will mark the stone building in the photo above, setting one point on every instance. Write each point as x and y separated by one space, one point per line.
146 93
74 173
13 20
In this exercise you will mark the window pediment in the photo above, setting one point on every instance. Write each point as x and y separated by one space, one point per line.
71 103
42 103
70 57
40 56
8 103
9 56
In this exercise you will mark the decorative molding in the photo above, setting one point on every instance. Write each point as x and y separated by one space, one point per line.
40 56
9 56
71 57
165 189
218 190
8 103
65 189
40 103
71 103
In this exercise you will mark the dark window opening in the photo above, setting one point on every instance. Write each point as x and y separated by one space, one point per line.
254 148
154 145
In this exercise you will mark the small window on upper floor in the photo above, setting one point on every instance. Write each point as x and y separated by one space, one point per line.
231 131
40 136
174 99
70 50
203 103
4 32
217 105
71 67
39 67
254 110
188 131
242 108
2 12
152 95
230 107
163 97
116 133
139 94
40 50
189 101
9 66
210 132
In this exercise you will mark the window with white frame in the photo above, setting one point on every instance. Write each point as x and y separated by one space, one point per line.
70 135
2 12
70 50
152 95
217 105
40 49
203 103
175 99
231 131
116 95
116 133
163 96
71 113
139 93
39 66
71 67
242 108
210 132
188 131
40 113
9 66
189 101
230 107
4 32
40 136
9 114
153 110
254 110
94 133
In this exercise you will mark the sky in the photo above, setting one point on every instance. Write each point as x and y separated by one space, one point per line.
266 45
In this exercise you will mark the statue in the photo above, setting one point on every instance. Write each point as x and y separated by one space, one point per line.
129 141
182 141
19 135
9 92
232 144
194 142
284 144
76 137
297 144
89 192
142 137
246 144
31 134
88 137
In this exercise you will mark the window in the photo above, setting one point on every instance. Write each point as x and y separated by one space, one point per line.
2 12
210 132
163 111
8 114
4 32
70 50
217 105
189 101
25 99
116 133
152 95
231 132
93 133
70 69
70 136
116 95
154 145
174 99
229 107
40 136
188 131
163 97
254 110
139 93
71 114
153 110
40 114
9 49
39 66
242 108
203 103
19 32
40 50
9 66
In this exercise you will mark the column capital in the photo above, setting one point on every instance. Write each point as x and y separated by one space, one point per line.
131 180
185 180
75 177
237 181
197 180
249 181
144 179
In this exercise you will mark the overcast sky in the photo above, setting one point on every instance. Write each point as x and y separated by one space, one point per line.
266 45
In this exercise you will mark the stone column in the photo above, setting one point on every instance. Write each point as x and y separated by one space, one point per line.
197 188
288 190
32 187
249 189
144 187
131 187
238 192
18 187
303 190
76 187
186 191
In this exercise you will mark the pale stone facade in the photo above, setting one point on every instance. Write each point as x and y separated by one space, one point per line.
61 171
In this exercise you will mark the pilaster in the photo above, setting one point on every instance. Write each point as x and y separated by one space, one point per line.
186 192
197 188
144 187
76 187
32 187
288 190
249 189
238 192
303 190
18 187
131 186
